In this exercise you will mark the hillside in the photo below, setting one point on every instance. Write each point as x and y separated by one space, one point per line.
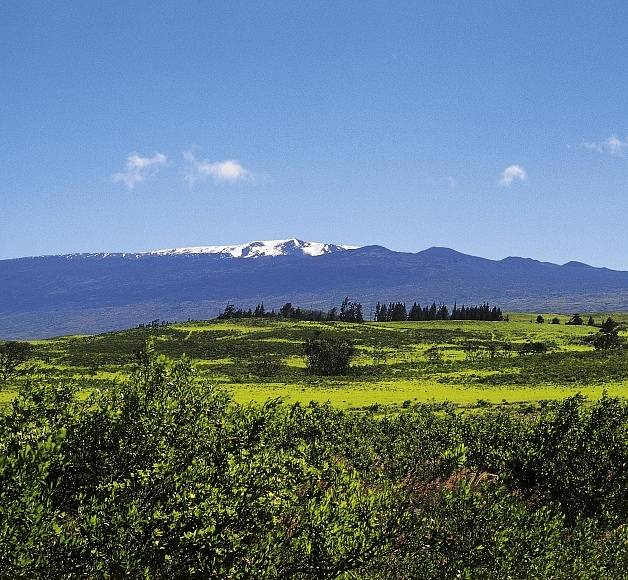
392 362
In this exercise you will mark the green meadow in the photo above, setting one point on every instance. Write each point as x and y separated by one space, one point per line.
477 363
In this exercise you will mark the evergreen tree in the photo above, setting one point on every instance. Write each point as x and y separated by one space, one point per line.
608 336
228 312
576 320
415 312
286 311
344 307
351 311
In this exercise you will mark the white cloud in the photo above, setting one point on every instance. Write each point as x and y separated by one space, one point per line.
613 145
138 168
512 173
229 170
452 182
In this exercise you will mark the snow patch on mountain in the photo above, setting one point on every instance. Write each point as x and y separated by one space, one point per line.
267 248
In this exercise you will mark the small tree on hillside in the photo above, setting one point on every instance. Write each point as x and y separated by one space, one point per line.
555 320
591 321
540 319
608 336
533 348
266 366
328 356
576 320
350 311
379 356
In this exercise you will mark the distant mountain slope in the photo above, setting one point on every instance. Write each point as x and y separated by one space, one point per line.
51 295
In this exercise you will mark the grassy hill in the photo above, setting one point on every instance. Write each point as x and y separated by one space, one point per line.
392 366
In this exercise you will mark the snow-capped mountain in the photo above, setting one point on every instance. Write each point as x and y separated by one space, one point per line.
266 248
86 293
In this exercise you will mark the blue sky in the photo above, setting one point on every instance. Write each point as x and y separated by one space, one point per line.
494 128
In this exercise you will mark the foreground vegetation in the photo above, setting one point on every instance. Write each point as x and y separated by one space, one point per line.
163 476
162 452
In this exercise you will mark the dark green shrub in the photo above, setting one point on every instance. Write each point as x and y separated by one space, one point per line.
13 355
328 356
267 366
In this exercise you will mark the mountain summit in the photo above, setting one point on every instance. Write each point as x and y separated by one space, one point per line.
267 248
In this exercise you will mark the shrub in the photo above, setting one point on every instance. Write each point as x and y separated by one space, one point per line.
328 356
13 355
434 355
163 476
533 348
266 366
473 351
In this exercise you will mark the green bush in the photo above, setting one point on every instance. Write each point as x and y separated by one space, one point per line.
328 356
266 366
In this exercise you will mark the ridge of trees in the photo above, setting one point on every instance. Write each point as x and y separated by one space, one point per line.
348 312
397 311
351 311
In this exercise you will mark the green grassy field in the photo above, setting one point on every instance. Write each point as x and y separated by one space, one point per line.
391 366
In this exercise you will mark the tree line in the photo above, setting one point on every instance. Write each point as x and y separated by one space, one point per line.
397 311
349 311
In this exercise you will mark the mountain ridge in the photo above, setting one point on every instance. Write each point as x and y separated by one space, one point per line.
277 248
88 293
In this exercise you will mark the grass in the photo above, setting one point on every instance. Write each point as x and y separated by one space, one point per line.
422 392
390 367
